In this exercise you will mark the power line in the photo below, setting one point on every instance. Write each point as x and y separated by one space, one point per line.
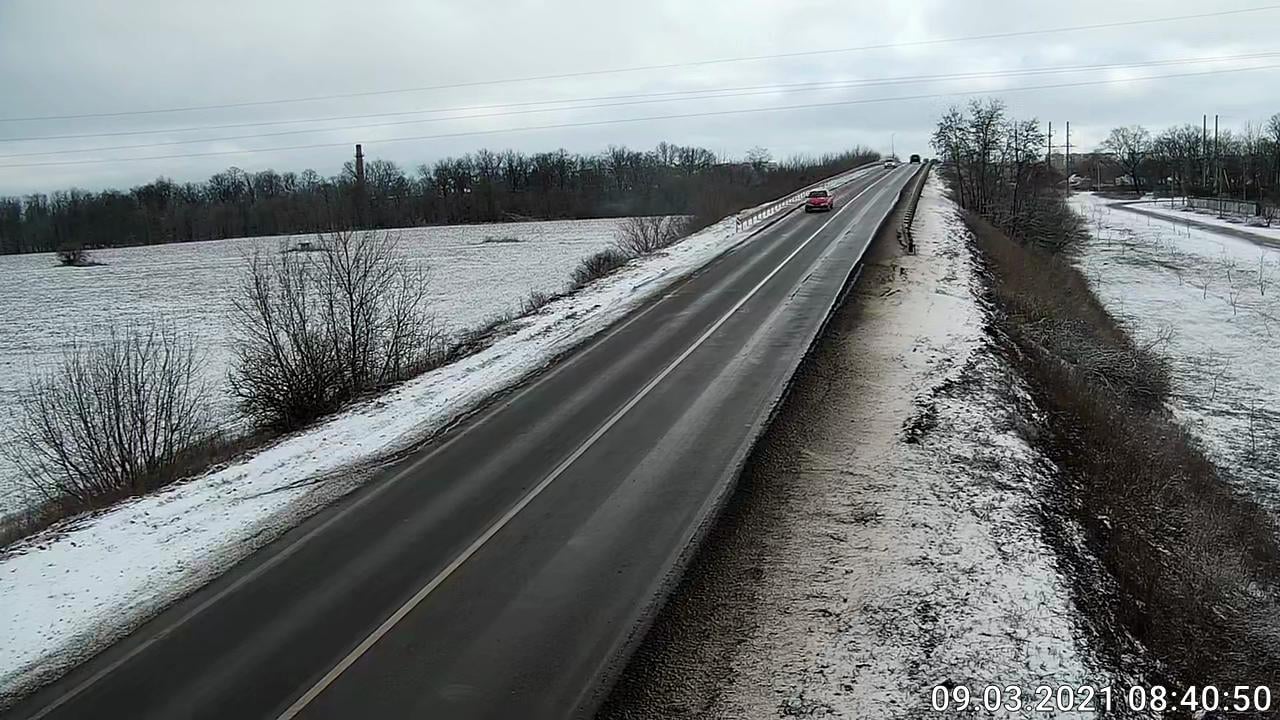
697 94
617 121
663 66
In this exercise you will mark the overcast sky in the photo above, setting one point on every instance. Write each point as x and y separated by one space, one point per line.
70 57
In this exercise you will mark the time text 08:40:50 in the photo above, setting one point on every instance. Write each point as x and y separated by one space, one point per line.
1100 698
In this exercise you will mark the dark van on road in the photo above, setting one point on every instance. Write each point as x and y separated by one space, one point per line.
915 158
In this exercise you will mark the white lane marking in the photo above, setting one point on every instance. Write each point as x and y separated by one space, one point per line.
529 497
288 551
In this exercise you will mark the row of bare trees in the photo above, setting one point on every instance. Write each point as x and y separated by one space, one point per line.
1189 160
998 170
484 186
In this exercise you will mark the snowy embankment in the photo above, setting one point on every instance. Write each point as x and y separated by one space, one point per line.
941 575
72 590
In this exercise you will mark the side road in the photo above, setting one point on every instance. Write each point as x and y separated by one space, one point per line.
1269 238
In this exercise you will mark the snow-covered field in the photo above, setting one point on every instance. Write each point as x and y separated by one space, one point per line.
1208 217
472 277
71 590
1218 297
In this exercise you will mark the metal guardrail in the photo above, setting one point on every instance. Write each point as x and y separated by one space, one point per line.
746 220
905 236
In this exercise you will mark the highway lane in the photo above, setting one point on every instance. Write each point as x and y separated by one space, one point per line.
504 570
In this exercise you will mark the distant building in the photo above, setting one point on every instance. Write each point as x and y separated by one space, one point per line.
1083 183
1100 168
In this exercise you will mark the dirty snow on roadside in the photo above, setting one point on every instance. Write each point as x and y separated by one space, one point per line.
1212 300
73 589
908 551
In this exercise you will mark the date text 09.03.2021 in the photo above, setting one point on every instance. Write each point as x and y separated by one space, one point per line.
1100 698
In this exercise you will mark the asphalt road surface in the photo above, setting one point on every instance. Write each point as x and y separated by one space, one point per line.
506 569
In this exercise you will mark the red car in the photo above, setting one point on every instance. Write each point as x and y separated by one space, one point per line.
818 201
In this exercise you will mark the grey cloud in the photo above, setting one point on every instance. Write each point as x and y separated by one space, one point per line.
65 56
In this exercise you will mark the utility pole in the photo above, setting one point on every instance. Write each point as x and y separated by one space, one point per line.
1217 186
893 152
1048 157
1204 153
1066 166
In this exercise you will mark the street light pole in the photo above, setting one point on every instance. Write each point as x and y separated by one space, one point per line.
892 152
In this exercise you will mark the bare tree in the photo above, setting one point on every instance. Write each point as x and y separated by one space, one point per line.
1129 147
1223 366
1233 298
111 418
759 158
1273 138
313 330
1228 267
638 236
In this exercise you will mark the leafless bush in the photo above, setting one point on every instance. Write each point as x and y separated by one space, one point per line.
638 236
535 301
1229 267
74 256
1220 368
598 265
1204 280
112 418
1053 310
313 330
